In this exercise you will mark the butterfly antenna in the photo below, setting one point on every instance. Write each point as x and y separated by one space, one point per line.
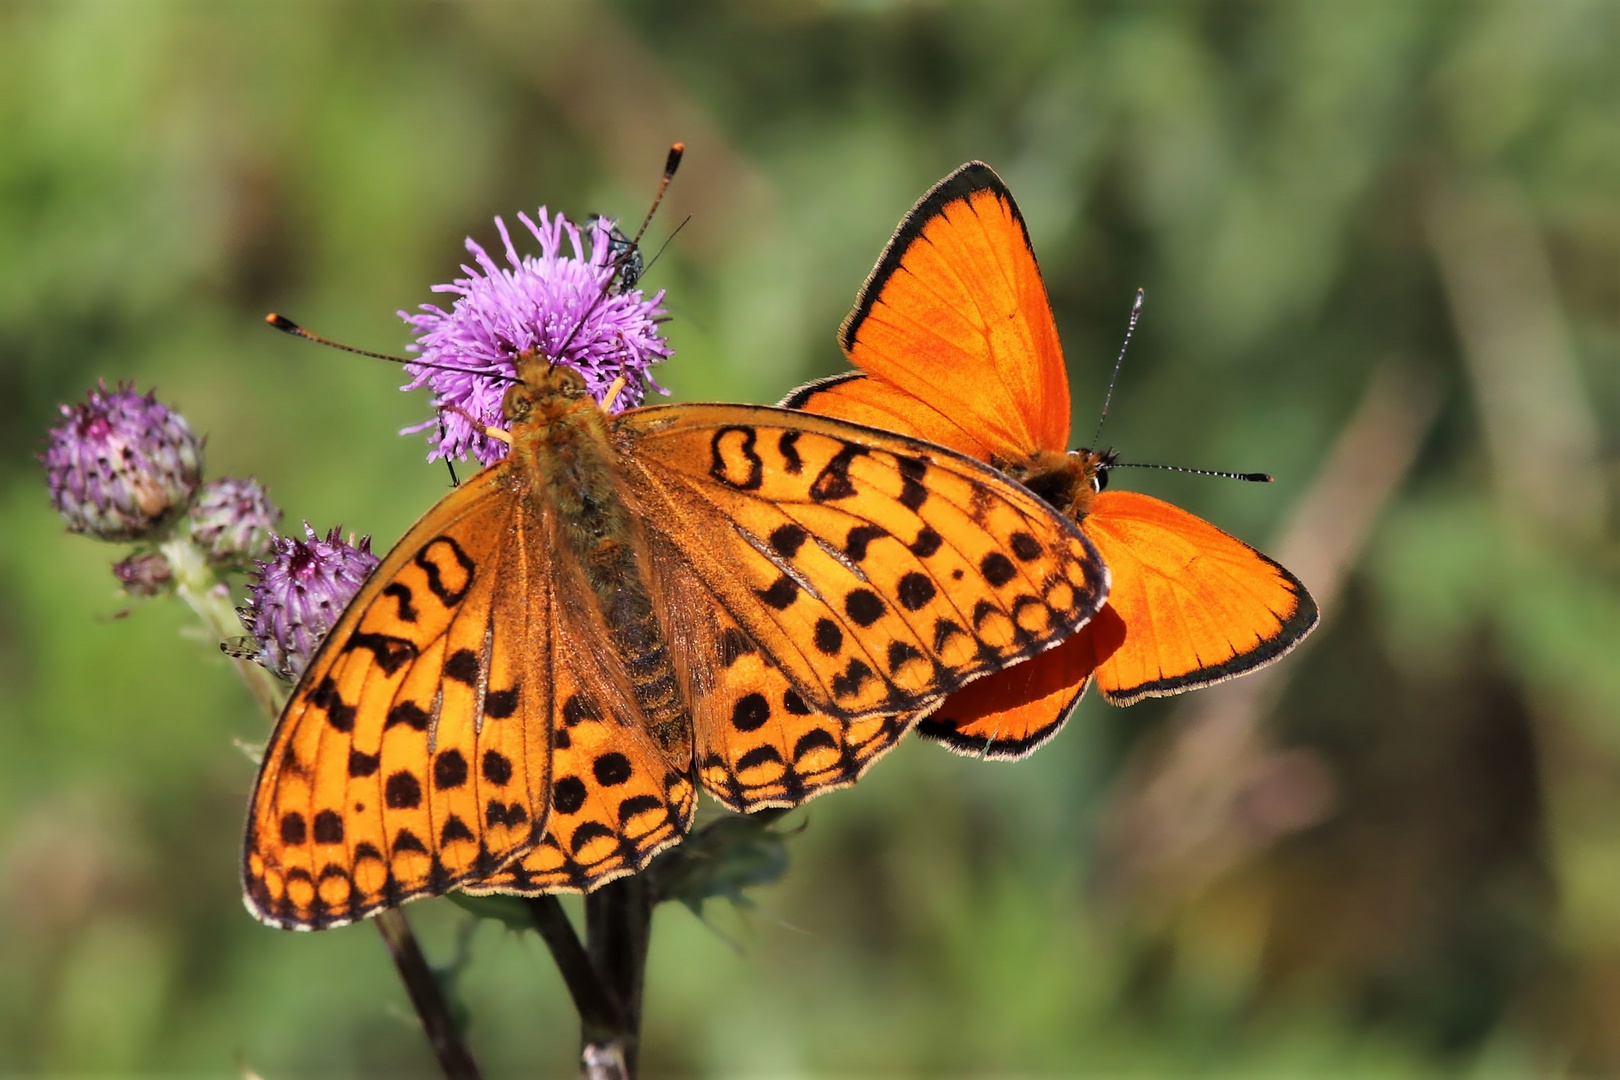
287 326
671 163
1136 313
652 261
1252 477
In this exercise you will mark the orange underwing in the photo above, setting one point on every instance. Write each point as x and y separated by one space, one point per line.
955 343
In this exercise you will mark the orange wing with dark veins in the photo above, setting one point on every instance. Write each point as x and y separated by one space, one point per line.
955 317
412 721
857 577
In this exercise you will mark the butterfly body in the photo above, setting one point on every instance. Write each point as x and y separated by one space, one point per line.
563 456
527 691
955 342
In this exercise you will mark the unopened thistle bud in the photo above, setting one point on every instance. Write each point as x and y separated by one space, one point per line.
122 465
144 574
233 522
299 593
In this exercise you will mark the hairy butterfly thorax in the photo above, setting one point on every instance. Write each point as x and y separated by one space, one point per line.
561 440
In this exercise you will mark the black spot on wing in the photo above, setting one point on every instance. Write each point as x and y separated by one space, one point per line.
787 539
928 541
611 769
848 682
900 654
829 638
293 829
455 829
635 806
328 827
568 794
788 444
750 712
783 591
408 713
401 594
391 653
815 739
499 704
997 569
759 755
588 833
833 482
497 768
402 791
462 667
912 492
449 770
863 606
915 591
860 538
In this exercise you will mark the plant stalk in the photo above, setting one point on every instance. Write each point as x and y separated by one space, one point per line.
618 928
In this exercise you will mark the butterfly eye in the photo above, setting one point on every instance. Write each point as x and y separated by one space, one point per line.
515 405
1099 480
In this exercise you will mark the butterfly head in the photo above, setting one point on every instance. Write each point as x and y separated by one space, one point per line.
544 390
1065 481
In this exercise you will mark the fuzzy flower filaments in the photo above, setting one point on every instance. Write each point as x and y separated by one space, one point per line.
556 304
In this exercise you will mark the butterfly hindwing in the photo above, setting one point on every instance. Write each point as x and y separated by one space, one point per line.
878 572
616 799
758 743
1011 714
374 783
1196 605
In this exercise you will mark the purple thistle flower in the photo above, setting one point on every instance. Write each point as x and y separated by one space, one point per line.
121 465
144 574
557 304
233 521
299 593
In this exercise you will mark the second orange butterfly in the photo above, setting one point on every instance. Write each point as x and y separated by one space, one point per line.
955 342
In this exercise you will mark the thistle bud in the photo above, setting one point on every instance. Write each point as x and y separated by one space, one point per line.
233 522
144 574
299 593
121 466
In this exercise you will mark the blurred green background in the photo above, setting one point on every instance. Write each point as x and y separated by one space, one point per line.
1381 246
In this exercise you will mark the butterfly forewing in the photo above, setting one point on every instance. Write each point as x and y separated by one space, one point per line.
955 314
374 787
877 572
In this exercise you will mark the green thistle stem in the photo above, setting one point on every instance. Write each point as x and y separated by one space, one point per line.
201 588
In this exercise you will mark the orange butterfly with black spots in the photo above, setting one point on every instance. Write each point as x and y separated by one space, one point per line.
527 691
955 342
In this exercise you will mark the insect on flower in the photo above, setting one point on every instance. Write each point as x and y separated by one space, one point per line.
625 604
